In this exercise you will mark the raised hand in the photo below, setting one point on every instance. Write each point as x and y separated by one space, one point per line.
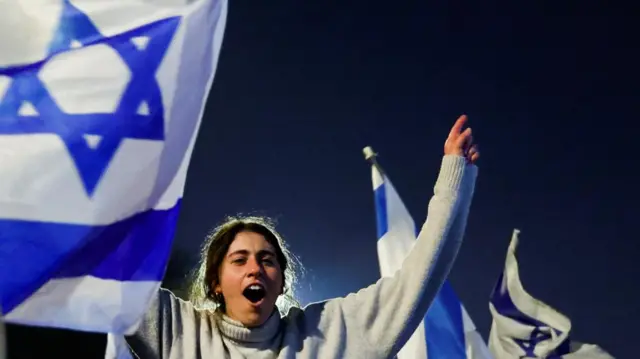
460 142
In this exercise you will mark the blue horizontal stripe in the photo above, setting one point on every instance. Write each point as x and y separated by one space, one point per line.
32 253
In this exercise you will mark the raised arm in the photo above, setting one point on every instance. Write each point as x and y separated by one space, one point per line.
388 312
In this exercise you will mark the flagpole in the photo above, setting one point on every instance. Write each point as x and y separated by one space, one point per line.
372 157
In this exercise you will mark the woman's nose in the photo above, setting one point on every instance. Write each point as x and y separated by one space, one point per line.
254 267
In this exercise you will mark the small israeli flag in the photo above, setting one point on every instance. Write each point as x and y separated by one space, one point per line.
524 327
100 104
447 331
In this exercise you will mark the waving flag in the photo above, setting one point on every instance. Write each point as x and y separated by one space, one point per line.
100 104
524 327
447 331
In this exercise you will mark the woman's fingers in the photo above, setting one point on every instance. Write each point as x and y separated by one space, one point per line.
460 142
464 140
475 157
457 126
473 154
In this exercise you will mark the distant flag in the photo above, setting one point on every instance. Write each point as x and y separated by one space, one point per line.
524 327
100 104
447 331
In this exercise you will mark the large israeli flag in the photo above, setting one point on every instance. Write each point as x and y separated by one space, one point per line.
524 327
100 104
447 331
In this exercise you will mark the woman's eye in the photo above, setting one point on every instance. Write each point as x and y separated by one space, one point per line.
268 261
238 261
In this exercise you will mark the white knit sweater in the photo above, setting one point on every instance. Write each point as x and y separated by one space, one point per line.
375 322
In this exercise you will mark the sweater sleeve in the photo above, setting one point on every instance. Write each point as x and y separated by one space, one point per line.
155 335
389 311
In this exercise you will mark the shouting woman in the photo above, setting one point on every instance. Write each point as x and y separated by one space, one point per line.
241 305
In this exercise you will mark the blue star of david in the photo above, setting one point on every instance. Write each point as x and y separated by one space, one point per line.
125 122
529 345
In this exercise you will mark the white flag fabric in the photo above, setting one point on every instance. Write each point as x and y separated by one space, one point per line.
524 327
100 104
447 331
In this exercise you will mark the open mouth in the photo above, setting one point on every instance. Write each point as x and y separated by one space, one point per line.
254 293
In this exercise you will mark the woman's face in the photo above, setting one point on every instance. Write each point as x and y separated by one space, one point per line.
250 279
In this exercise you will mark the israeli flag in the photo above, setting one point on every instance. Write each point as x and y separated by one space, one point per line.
524 327
100 104
447 331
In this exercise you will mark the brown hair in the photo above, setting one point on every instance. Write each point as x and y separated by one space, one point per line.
215 248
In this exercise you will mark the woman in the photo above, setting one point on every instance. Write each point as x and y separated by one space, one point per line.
246 268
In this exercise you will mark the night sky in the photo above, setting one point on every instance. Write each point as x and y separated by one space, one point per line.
551 93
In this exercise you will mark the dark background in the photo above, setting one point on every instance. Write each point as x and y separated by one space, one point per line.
551 90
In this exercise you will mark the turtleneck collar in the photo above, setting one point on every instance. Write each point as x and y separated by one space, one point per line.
236 331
